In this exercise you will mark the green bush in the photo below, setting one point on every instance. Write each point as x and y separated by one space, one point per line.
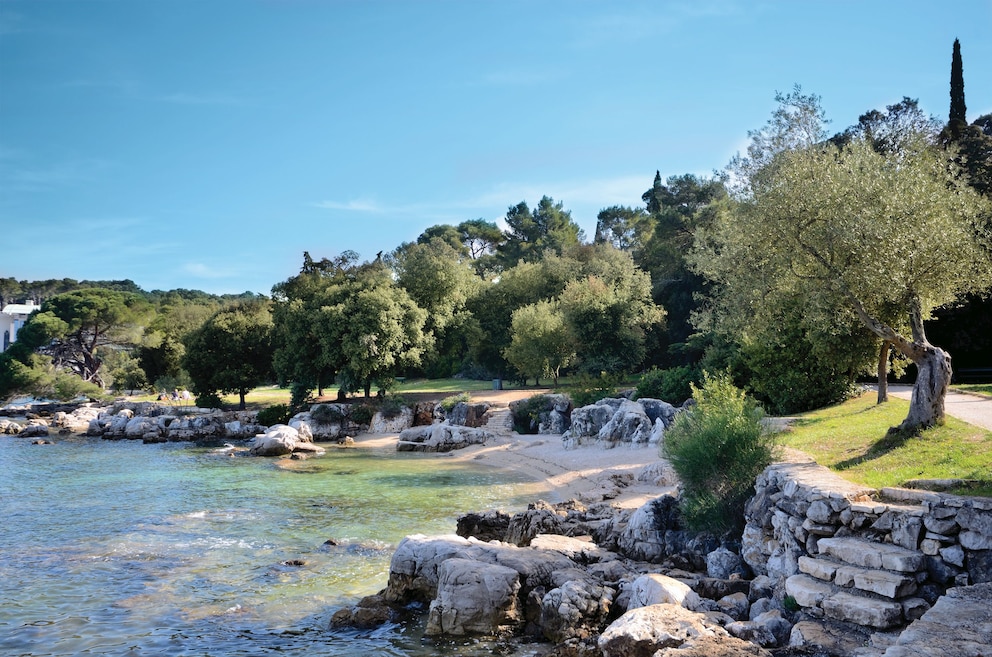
326 414
67 386
673 385
590 389
449 403
526 415
362 413
208 400
717 449
299 394
392 406
277 414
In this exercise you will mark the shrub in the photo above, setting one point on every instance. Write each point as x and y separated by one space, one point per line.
208 400
277 414
590 389
717 449
449 403
527 414
326 414
362 413
392 406
673 385
299 394
67 386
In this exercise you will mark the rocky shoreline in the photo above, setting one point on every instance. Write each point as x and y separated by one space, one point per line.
600 580
606 568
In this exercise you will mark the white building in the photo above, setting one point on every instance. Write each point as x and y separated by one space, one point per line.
12 318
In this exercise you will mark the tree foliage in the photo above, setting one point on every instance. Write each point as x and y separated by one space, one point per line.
678 209
540 345
621 226
872 232
548 228
345 321
959 111
232 352
74 329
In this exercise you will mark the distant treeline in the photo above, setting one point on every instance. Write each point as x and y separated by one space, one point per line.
15 291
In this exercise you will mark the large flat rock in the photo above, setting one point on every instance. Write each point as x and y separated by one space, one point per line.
863 611
958 625
866 554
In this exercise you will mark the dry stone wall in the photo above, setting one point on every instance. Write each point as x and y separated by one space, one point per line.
852 553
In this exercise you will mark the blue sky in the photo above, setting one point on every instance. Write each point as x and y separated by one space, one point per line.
207 144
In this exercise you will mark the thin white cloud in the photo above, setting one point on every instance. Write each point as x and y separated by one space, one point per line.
602 192
114 224
621 190
355 205
20 178
206 271
627 24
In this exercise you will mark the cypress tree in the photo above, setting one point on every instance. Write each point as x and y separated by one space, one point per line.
958 109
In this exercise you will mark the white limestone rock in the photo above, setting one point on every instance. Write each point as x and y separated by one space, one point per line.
393 424
578 609
280 439
474 598
655 589
645 630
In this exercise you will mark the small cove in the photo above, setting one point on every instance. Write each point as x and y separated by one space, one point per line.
120 548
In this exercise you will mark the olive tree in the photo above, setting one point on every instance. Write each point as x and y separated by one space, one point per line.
874 231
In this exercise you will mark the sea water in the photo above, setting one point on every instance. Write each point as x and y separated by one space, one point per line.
121 548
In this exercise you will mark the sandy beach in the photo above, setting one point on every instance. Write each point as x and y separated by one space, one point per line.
588 473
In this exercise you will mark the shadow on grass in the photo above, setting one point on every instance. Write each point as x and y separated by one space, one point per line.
893 440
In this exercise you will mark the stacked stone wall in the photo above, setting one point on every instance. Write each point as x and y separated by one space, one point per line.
875 557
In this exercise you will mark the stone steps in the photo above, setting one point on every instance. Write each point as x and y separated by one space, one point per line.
867 554
888 584
500 421
860 581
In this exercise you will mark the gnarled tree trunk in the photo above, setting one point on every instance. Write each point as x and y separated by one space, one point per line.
933 364
926 408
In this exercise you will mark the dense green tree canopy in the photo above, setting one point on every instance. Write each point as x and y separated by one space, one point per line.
352 322
480 237
958 115
232 352
621 226
680 207
74 328
541 344
548 228
874 231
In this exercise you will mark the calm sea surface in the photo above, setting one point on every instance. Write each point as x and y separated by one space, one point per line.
120 548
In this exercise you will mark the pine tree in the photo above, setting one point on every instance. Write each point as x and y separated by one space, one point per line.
958 109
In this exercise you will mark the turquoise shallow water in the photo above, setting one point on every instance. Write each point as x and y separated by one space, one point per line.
120 548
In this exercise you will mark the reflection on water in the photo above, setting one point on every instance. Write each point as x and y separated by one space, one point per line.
119 548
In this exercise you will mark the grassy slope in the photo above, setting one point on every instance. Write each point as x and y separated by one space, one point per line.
851 439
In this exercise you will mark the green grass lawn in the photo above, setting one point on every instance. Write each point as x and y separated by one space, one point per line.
984 389
445 386
851 439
